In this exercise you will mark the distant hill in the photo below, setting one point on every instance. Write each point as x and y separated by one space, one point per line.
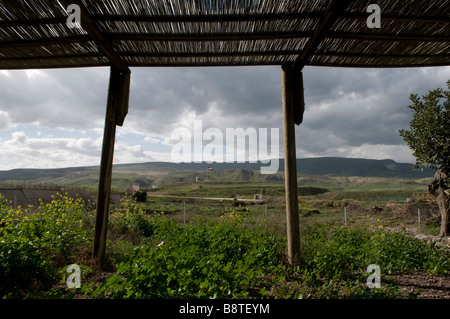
339 166
332 166
150 173
229 175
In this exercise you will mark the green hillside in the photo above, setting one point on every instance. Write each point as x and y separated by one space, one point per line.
226 175
314 171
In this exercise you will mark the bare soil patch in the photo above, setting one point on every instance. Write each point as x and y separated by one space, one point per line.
424 285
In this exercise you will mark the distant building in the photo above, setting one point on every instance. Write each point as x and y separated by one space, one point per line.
133 189
258 196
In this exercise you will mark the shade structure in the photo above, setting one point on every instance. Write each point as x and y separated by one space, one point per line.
156 33
34 33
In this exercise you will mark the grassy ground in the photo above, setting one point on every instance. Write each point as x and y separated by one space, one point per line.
228 248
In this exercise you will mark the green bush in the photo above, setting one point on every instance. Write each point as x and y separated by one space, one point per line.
140 196
129 219
309 191
35 242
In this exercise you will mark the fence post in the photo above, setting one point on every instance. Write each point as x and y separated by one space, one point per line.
184 215
345 216
418 214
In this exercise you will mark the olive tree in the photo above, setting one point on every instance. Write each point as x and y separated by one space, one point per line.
429 139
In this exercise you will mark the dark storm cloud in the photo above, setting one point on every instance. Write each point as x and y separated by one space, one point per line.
352 107
161 97
349 112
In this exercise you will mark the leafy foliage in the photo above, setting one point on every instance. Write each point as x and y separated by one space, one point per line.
128 218
198 260
345 252
231 256
429 134
33 242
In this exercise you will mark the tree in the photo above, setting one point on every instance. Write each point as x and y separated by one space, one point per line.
429 138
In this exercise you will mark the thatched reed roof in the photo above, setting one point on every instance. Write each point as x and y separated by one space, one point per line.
34 34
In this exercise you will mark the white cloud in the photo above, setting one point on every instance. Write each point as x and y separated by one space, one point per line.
45 152
55 98
153 139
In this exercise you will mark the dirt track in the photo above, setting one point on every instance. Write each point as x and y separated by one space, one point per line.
209 198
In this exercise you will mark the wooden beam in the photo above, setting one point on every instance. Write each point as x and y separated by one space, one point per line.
140 64
190 18
422 64
199 18
380 55
32 22
166 54
45 41
210 36
54 57
298 96
290 163
200 54
88 24
375 36
123 98
55 61
207 64
118 93
392 17
330 17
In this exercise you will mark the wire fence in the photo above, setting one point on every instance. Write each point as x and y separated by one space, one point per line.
32 186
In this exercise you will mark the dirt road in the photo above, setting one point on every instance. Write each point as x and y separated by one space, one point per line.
209 198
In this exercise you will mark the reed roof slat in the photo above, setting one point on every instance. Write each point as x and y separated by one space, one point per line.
34 34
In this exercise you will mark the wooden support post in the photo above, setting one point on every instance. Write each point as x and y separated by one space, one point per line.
116 109
291 94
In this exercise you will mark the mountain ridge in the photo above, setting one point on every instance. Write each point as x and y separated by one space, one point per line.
322 166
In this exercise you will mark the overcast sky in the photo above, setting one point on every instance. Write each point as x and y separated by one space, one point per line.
55 118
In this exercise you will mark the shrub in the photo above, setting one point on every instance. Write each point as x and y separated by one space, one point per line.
35 242
128 221
140 196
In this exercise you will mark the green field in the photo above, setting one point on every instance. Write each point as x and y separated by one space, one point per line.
226 247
